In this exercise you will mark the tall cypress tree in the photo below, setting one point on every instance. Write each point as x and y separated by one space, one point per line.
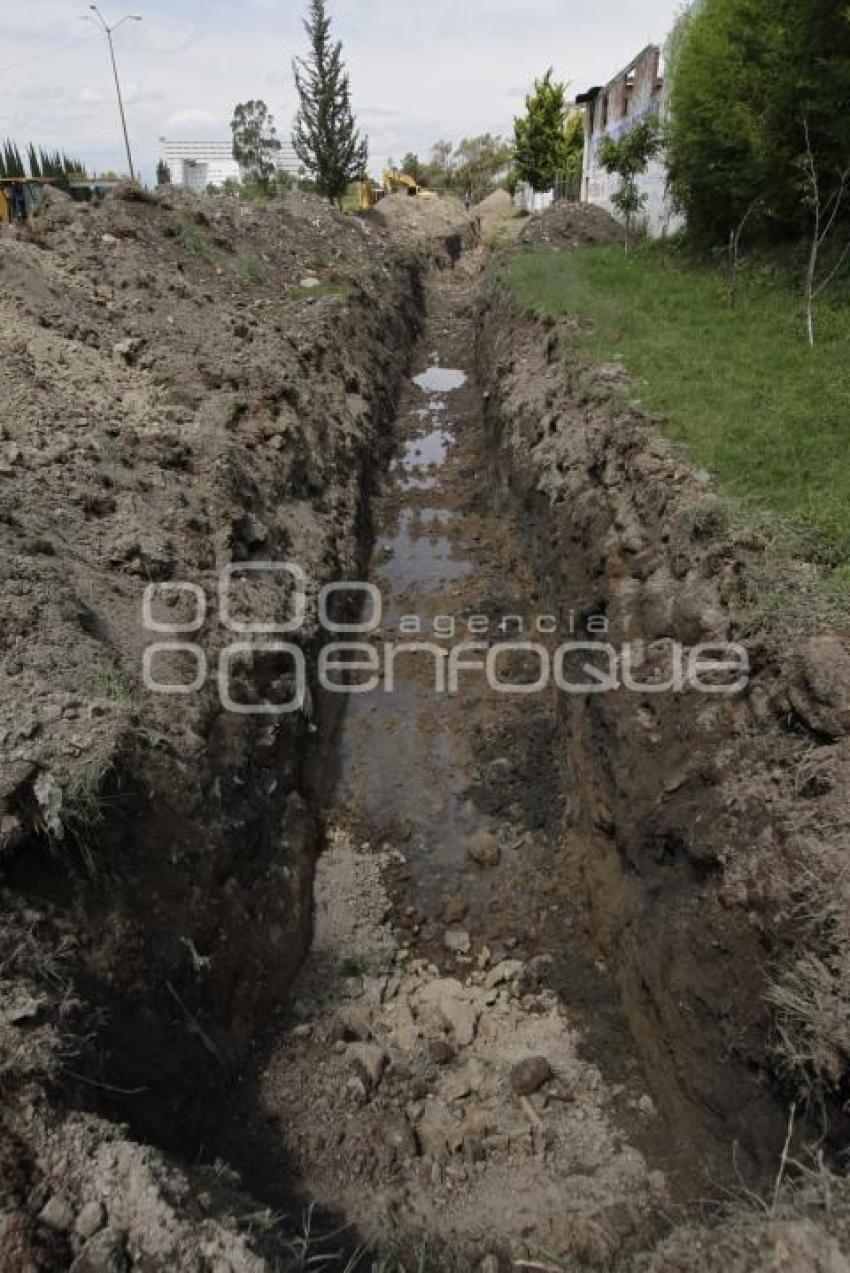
325 135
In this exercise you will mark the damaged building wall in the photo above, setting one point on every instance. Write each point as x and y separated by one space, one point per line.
633 95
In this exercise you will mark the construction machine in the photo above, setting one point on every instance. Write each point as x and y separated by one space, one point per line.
395 181
368 194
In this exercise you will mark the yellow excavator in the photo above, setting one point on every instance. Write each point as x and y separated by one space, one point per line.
395 181
368 193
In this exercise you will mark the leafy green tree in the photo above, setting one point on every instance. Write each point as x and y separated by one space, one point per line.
255 141
413 166
627 159
479 162
540 136
163 174
439 169
745 74
325 135
573 161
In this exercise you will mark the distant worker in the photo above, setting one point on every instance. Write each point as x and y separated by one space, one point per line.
467 201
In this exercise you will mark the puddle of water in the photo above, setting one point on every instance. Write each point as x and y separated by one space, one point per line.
422 452
440 380
420 561
400 762
428 516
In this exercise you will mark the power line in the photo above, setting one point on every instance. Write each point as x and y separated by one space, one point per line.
40 56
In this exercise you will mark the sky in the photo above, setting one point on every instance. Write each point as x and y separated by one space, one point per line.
420 71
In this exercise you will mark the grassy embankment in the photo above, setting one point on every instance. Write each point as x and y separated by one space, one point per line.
739 386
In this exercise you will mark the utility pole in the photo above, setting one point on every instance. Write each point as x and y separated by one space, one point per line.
108 30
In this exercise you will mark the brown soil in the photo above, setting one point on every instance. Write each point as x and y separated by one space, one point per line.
570 225
179 395
700 842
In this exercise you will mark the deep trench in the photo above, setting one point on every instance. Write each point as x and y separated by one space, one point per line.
451 538
446 534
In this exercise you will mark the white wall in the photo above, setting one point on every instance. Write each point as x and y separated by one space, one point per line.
659 217
527 200
636 94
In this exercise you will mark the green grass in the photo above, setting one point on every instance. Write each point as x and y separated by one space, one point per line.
739 386
191 238
300 293
252 269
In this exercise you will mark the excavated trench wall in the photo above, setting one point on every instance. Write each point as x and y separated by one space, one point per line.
183 904
660 790
200 910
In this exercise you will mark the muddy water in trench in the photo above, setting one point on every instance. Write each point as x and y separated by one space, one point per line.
434 769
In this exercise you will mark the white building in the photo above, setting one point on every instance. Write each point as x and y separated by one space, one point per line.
198 164
637 93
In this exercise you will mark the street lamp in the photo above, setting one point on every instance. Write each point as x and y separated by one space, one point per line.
131 17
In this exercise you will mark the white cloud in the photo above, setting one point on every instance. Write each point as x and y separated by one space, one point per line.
192 119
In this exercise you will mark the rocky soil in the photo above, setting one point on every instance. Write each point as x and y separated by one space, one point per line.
448 1106
186 384
712 831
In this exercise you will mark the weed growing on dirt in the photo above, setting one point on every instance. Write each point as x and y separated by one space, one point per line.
811 996
108 682
738 387
190 238
252 269
319 293
319 1251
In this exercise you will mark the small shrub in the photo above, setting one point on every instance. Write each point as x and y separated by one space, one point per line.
252 269
190 238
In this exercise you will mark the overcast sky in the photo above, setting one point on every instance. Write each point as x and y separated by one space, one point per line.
420 69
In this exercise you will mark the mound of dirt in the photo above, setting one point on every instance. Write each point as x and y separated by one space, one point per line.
188 384
571 224
442 222
497 204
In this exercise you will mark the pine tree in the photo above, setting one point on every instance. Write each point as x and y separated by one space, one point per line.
163 174
325 136
540 136
13 164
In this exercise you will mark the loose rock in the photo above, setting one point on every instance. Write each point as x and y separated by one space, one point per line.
370 1061
530 1075
483 849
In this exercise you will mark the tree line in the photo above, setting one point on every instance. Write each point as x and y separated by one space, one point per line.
39 164
547 145
759 134
756 86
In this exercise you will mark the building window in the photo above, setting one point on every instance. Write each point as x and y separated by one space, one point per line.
629 90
